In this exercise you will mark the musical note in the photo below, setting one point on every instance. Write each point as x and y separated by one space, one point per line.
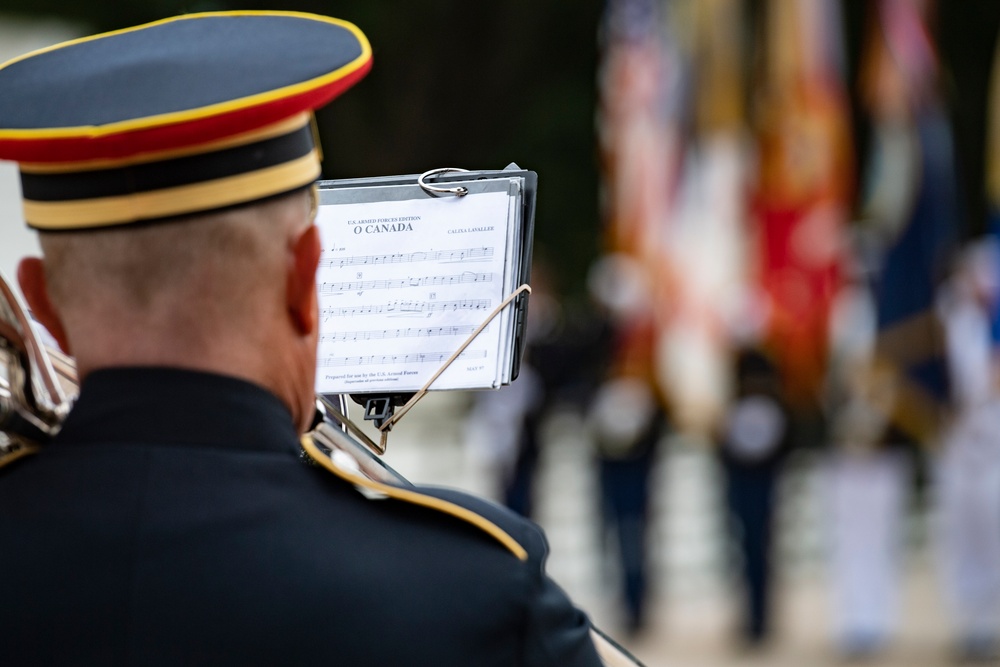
412 358
458 255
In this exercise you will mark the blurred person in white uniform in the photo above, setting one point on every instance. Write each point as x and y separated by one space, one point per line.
865 481
967 467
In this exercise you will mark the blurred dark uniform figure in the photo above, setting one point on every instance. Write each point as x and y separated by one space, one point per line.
628 418
753 441
172 521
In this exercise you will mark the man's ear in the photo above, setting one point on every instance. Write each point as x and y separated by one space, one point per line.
31 277
301 281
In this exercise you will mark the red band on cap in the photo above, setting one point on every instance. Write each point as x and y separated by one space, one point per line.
178 135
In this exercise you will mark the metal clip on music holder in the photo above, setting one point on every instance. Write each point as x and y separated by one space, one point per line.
459 191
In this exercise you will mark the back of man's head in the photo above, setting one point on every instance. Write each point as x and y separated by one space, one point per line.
183 287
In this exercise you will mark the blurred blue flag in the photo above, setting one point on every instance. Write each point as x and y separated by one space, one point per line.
905 287
913 197
993 176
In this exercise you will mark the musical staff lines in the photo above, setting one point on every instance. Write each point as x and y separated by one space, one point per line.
412 358
400 283
409 332
405 308
457 255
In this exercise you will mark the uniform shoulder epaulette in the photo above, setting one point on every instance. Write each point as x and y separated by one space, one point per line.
440 500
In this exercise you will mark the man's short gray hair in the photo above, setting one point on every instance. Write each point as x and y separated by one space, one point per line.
215 261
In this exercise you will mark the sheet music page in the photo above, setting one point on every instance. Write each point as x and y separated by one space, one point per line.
402 284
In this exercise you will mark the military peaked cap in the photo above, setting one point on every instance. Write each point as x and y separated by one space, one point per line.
184 115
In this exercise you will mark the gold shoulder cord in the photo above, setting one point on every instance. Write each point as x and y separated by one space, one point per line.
15 454
416 498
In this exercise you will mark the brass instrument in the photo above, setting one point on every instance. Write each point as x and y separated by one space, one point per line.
38 384
33 381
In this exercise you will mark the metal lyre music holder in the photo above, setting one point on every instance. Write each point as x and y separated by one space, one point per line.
382 195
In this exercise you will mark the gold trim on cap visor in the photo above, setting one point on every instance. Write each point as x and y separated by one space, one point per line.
168 202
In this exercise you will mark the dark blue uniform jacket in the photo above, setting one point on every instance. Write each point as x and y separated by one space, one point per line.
173 522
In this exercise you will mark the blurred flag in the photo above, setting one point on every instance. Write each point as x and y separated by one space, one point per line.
674 149
640 154
636 142
993 174
704 245
993 141
911 199
800 202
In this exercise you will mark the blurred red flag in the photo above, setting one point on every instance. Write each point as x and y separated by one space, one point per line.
800 203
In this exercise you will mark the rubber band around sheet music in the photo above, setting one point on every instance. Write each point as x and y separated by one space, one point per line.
388 424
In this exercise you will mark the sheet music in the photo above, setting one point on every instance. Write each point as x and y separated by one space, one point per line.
402 284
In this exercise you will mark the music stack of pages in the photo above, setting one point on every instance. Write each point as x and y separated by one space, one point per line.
408 274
